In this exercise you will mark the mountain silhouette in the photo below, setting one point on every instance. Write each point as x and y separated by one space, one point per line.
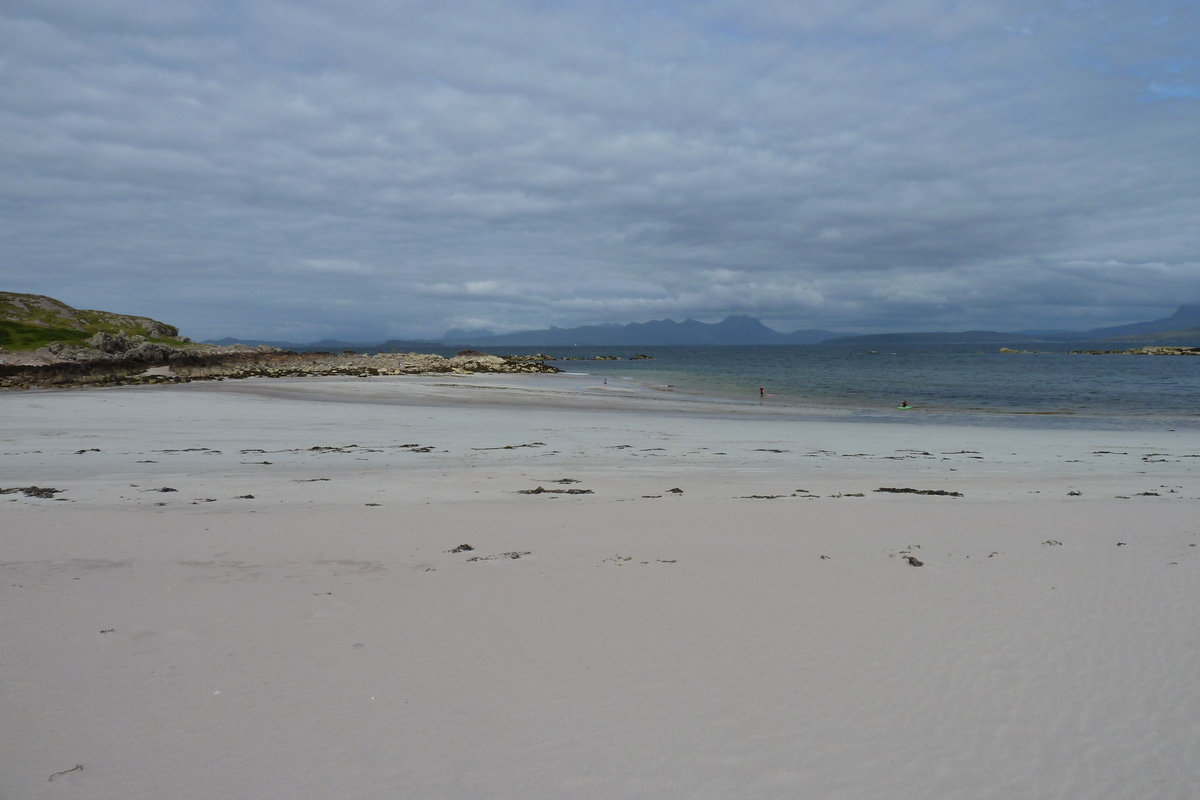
731 330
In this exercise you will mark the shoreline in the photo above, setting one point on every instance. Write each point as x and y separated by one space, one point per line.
575 390
201 580
218 428
133 361
1097 396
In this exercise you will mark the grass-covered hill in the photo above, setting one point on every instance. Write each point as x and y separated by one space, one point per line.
30 321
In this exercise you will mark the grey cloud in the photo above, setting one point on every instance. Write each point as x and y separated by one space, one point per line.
304 169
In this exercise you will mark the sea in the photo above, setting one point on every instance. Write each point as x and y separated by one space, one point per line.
1049 387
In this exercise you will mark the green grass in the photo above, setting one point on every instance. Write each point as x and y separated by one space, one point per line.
17 336
29 321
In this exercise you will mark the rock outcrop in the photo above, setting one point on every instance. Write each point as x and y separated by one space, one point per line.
34 311
56 345
121 359
534 357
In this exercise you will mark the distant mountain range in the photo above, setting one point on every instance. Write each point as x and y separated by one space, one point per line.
29 321
1185 336
333 345
731 330
1182 326
748 330
1185 317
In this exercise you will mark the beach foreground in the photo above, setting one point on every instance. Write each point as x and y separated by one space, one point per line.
259 590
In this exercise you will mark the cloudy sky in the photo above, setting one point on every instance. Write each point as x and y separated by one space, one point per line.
297 169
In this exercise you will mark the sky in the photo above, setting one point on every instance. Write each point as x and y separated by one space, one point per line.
305 169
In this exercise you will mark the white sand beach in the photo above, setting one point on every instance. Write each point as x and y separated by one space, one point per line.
248 589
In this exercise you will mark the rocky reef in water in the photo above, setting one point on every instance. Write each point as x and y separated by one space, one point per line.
1153 350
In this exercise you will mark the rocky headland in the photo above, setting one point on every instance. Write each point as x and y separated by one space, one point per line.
29 321
114 359
46 343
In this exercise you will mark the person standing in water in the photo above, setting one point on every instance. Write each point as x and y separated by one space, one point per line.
761 393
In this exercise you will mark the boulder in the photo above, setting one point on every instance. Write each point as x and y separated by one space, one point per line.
111 343
149 351
471 361
161 330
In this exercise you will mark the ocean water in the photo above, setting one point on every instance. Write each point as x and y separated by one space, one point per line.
1048 388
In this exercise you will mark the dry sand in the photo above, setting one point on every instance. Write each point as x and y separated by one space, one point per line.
742 638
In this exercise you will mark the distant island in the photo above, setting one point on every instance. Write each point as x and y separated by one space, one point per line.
1182 326
28 322
742 330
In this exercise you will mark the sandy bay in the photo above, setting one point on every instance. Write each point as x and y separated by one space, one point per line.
289 621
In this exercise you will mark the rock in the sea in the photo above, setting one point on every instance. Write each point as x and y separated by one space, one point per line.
534 357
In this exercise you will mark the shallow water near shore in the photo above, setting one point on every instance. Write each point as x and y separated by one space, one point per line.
1043 388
